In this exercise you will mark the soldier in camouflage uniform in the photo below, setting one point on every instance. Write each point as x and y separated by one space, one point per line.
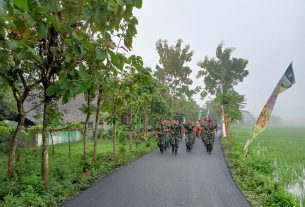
209 135
203 125
160 139
176 131
164 134
189 133
167 133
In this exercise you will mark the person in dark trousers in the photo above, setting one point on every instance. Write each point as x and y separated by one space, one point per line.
176 131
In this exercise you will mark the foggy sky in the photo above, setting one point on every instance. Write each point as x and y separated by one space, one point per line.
268 33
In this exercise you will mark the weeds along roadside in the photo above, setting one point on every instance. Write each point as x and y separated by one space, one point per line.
254 175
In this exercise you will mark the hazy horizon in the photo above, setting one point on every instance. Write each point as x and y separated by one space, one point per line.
269 34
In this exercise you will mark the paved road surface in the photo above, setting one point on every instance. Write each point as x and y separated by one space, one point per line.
188 179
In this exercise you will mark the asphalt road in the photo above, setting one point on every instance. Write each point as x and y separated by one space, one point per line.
188 179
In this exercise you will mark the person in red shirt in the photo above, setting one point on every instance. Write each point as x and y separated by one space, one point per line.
197 130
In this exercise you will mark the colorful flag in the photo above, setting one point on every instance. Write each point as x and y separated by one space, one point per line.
285 82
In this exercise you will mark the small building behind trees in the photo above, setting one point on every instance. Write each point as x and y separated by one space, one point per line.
69 113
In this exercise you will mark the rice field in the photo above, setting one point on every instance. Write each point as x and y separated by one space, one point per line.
286 145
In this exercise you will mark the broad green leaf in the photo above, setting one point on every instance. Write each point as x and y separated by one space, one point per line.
87 12
66 97
76 36
83 48
100 54
54 6
138 4
85 109
85 85
42 30
52 90
113 56
13 44
21 4
121 2
54 22
77 50
128 12
28 34
113 6
99 14
22 55
2 8
34 55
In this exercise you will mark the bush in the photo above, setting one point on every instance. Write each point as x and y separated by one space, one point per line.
29 197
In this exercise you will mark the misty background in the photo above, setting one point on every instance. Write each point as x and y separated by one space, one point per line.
269 34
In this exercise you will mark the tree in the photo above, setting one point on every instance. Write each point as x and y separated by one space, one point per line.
189 108
160 106
17 73
232 102
122 90
172 70
222 71
146 89
55 35
213 110
97 122
114 106
220 75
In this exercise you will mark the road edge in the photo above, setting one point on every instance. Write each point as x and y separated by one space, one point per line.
230 172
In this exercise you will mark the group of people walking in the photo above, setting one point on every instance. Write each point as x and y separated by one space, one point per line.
172 131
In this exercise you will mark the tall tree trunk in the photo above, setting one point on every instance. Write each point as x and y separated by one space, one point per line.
85 137
131 131
69 140
145 122
45 145
113 140
53 150
14 142
85 134
97 120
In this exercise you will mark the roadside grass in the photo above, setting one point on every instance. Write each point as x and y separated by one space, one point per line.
276 159
66 176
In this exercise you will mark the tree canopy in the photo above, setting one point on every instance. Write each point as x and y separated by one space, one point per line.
220 74
221 71
172 70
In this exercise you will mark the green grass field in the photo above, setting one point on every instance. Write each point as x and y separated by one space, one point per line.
66 176
285 146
